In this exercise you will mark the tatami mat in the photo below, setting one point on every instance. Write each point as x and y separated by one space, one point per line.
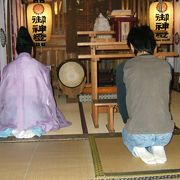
116 160
51 160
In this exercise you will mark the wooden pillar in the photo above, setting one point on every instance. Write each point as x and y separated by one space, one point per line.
143 15
134 6
122 5
147 11
139 10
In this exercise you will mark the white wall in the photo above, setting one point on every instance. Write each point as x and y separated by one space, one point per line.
3 56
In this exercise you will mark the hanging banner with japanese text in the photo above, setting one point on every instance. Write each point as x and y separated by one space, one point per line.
161 20
39 18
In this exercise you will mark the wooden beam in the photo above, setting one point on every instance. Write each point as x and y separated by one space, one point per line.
166 54
113 47
105 56
129 55
101 43
94 32
101 90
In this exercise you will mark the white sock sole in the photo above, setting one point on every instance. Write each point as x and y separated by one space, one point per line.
144 155
159 154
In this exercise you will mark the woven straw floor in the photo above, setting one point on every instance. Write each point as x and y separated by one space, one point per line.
112 159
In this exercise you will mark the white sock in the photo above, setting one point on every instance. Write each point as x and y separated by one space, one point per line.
145 156
159 154
23 134
29 134
18 134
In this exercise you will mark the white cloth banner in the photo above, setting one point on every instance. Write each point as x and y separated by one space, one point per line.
3 13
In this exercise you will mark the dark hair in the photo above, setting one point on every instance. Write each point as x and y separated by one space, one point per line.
142 39
23 48
24 41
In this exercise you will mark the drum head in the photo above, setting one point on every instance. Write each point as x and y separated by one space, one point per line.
71 74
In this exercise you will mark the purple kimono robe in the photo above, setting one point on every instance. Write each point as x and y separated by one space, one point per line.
26 98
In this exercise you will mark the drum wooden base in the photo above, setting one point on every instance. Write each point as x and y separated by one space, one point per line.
72 92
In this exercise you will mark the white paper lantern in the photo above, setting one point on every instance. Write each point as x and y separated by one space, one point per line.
161 20
39 18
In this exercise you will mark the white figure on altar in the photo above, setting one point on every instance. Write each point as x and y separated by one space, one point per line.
102 24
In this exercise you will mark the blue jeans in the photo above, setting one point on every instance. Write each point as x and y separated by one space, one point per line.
145 140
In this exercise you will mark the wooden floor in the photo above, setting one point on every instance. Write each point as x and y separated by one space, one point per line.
64 154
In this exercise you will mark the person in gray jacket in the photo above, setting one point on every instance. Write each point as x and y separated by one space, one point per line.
143 96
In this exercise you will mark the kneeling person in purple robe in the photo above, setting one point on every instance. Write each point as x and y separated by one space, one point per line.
27 105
